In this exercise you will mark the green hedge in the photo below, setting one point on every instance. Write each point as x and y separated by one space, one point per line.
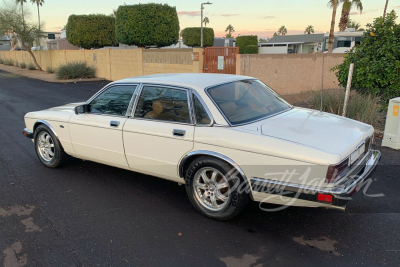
245 40
91 31
192 36
147 24
251 49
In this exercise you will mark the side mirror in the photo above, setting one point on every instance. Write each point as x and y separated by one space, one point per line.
81 109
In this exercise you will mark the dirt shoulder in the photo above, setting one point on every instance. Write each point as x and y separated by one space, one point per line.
42 75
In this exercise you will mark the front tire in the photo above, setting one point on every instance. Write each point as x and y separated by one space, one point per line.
48 148
214 189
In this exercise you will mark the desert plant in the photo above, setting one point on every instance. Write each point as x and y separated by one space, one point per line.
91 31
22 65
245 40
75 70
251 49
147 24
1 61
364 108
9 62
192 36
31 66
50 69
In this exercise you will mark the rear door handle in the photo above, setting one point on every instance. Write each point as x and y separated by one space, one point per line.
114 123
178 132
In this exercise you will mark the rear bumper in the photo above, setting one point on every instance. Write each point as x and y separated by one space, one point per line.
340 193
27 133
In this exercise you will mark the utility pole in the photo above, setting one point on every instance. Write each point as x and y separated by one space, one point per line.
202 7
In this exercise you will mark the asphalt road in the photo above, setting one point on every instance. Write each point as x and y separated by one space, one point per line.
88 214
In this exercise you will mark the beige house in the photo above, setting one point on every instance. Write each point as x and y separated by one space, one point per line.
293 44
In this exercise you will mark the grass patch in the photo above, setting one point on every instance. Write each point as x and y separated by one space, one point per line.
50 69
22 65
75 70
364 108
31 66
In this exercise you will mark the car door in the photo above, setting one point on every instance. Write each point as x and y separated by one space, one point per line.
97 135
160 131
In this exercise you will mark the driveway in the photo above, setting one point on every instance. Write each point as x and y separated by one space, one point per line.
88 214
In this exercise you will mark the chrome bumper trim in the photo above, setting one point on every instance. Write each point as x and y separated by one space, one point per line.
27 133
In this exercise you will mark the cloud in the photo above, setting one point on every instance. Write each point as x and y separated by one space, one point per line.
269 17
396 7
189 13
229 15
354 13
372 10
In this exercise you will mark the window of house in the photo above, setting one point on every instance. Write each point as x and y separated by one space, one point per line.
202 117
113 101
359 40
51 36
161 103
344 44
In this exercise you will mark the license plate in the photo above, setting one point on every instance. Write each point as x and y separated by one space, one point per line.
356 154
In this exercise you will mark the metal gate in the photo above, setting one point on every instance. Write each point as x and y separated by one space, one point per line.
220 60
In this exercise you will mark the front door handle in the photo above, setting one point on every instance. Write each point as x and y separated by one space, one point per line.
178 132
114 123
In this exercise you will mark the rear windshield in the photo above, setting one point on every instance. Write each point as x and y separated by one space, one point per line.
246 101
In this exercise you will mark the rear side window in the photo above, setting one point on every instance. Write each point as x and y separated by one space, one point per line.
165 104
113 101
202 117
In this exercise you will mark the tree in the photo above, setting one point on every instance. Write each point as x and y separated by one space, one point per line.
147 24
245 40
229 29
91 31
333 4
346 8
206 21
282 31
22 6
309 29
355 25
191 36
13 22
386 5
376 60
38 3
275 34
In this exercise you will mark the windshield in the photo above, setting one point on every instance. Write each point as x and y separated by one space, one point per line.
246 101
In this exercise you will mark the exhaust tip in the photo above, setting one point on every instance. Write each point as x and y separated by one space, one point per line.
341 208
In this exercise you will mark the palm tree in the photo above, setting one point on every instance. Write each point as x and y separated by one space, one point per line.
230 29
384 12
309 29
38 3
275 34
354 24
282 30
334 5
22 6
346 8
206 21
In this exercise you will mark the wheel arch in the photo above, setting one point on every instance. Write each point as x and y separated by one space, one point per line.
39 122
191 156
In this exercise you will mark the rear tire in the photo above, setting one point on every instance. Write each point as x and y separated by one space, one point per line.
214 189
48 148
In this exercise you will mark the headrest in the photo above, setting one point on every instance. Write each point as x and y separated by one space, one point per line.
158 107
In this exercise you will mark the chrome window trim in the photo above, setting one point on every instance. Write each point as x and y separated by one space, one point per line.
241 124
189 99
109 86
212 121
209 153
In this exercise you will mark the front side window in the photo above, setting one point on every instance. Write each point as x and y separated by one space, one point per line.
113 101
161 103
202 117
246 101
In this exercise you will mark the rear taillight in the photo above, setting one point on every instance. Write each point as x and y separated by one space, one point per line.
335 172
325 198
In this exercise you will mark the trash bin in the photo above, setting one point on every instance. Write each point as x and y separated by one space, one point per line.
391 137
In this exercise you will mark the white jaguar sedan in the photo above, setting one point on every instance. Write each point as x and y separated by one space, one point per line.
228 138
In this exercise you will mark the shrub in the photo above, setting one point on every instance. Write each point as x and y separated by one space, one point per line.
9 62
376 60
147 24
251 49
16 64
75 70
364 108
22 65
192 36
245 40
1 61
91 31
31 66
50 69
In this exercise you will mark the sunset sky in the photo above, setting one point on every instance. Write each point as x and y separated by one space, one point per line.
259 17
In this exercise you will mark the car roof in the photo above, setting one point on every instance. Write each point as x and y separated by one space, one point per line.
197 81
